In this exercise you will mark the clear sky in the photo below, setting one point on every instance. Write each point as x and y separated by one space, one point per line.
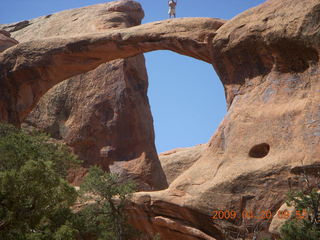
186 96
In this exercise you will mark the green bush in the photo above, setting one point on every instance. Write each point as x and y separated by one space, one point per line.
300 230
35 199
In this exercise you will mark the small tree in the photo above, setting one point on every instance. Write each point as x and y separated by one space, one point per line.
104 217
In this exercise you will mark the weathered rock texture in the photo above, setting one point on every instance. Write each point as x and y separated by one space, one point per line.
106 107
6 41
268 61
177 161
63 57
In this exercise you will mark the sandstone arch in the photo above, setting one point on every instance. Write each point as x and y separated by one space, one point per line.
268 61
32 68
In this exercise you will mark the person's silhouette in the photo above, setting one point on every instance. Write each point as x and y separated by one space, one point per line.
172 8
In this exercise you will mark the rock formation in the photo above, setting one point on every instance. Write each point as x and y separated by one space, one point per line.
6 41
177 161
61 58
129 133
268 61
104 108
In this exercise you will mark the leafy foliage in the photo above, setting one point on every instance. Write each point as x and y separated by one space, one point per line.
18 147
35 199
300 230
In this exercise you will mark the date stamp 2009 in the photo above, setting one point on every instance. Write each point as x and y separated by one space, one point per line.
261 215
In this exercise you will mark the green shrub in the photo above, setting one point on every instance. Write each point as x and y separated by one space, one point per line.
300 230
35 199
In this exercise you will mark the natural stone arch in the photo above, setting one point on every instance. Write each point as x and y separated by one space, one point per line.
30 69
273 101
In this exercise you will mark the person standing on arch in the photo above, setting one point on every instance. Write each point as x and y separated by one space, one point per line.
172 8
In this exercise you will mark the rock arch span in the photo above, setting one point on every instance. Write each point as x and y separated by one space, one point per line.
32 68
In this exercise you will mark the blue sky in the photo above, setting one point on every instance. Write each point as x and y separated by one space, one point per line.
186 96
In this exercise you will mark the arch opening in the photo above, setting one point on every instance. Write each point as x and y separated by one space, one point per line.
186 97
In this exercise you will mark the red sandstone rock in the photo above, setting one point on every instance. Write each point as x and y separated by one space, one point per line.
106 107
268 61
192 37
129 132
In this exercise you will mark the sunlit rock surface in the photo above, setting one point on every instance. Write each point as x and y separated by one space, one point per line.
268 61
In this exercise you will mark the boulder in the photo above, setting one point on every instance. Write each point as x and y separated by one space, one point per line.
277 222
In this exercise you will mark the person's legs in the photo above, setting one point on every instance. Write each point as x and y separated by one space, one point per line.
172 13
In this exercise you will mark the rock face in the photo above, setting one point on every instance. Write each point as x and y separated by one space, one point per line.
6 41
268 61
106 107
19 69
177 161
